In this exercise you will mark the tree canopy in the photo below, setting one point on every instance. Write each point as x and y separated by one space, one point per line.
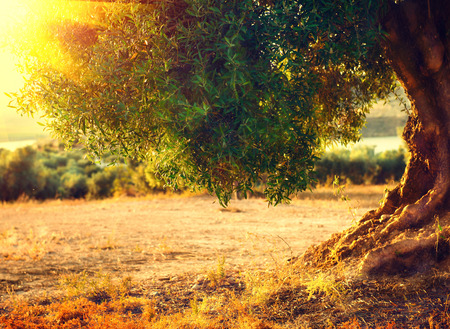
217 94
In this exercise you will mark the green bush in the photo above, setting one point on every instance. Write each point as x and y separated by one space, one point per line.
48 184
100 184
52 160
123 184
361 165
139 180
73 185
390 166
154 183
19 177
3 191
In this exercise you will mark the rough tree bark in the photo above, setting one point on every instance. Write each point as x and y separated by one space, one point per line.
410 231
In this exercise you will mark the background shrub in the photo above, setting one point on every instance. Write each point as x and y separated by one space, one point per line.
391 165
48 183
100 184
361 165
19 176
49 172
73 185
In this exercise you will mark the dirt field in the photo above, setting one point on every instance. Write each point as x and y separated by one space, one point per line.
163 237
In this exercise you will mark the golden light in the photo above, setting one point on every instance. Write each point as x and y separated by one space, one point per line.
35 30
27 29
11 13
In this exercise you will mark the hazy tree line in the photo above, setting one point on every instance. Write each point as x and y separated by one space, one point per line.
49 172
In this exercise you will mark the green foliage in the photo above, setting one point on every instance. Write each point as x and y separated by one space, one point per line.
50 173
100 184
73 185
98 287
144 180
18 173
390 165
48 182
215 94
153 180
54 161
122 183
361 166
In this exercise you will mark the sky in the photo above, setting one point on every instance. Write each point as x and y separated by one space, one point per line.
13 126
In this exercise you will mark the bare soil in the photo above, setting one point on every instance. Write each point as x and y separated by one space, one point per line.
162 237
170 246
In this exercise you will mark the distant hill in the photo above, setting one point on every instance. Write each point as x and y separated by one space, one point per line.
14 127
385 119
383 126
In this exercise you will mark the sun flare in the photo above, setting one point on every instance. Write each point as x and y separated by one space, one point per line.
11 14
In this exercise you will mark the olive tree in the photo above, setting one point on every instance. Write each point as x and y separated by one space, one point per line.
220 94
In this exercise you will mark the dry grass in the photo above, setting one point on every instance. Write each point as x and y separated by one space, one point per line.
18 245
357 196
275 299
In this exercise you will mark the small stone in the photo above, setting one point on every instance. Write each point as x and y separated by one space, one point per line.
231 280
200 279
196 287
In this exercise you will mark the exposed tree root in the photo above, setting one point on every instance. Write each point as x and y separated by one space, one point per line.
397 238
377 249
407 256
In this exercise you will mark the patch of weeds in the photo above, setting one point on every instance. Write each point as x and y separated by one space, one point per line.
374 305
129 305
74 311
259 287
442 242
198 314
110 243
163 248
339 191
149 310
17 245
13 300
138 249
262 286
385 194
97 288
217 276
336 290
9 242
225 310
37 247
270 245
194 304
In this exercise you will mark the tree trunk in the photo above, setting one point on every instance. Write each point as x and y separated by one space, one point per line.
410 231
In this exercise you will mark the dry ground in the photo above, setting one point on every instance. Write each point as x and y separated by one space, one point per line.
194 264
163 237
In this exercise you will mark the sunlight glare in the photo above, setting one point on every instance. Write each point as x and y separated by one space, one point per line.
12 13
